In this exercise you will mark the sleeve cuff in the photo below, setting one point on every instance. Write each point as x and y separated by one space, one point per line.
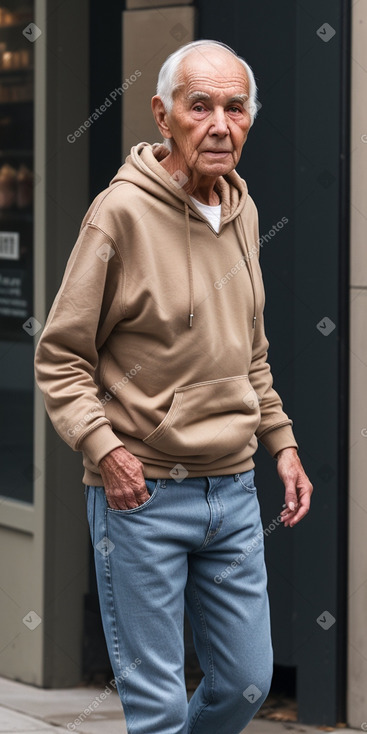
278 438
99 443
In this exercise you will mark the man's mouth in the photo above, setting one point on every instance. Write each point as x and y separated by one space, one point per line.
217 152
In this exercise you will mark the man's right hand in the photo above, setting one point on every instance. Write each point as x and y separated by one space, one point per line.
123 479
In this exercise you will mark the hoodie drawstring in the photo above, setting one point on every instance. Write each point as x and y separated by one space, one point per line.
248 260
242 238
189 263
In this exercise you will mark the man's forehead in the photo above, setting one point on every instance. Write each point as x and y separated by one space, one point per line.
212 75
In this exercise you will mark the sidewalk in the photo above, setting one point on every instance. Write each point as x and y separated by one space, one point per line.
25 708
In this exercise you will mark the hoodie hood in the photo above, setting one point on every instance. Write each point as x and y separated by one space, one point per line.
143 168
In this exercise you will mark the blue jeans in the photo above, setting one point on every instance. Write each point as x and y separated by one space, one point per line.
195 544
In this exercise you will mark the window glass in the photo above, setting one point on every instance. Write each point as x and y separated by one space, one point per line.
18 34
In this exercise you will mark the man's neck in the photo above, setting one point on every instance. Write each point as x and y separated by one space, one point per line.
203 190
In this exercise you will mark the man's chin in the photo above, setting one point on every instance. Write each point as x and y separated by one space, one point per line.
216 168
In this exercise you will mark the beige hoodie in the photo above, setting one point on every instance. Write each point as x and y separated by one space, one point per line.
155 340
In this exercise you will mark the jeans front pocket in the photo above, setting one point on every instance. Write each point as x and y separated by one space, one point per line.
247 480
152 487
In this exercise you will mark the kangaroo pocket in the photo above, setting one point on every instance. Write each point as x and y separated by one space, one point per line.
211 419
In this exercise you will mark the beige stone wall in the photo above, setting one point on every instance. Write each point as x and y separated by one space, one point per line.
149 36
357 592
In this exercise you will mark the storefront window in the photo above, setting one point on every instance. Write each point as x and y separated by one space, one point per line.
18 325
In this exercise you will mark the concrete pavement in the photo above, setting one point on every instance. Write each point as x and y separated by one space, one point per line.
25 708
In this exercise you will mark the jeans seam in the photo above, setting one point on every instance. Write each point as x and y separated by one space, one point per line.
210 536
210 697
116 648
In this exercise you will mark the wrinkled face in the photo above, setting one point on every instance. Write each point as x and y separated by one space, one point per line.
209 123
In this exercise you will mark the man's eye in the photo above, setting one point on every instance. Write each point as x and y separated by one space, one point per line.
198 108
234 109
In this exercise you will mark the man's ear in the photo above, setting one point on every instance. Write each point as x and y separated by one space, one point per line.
160 116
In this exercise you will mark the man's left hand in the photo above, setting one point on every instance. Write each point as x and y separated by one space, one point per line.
298 488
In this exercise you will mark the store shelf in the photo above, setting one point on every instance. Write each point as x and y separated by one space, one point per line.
14 216
20 71
16 153
13 26
16 102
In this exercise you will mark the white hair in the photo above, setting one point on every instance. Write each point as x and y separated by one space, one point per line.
169 74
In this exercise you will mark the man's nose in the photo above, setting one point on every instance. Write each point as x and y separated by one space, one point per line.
219 124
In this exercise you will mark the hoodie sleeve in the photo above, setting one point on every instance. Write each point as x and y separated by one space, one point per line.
275 428
86 308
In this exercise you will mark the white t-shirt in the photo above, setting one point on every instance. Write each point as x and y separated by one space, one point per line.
212 213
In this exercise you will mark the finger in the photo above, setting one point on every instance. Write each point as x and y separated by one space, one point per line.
142 498
141 494
297 495
287 518
302 512
290 510
290 496
121 499
303 509
117 504
291 499
131 501
288 521
133 497
287 514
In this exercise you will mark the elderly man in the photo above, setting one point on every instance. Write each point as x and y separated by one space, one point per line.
153 363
